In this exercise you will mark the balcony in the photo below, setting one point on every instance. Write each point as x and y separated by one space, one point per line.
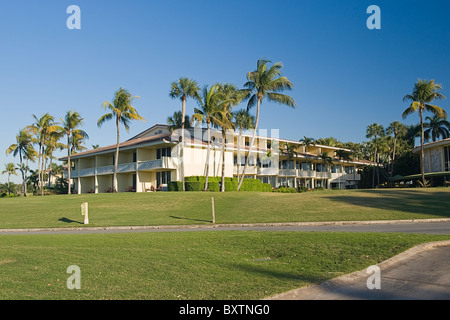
250 170
163 163
267 171
306 174
288 172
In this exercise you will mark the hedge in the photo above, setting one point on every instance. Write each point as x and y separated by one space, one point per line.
197 183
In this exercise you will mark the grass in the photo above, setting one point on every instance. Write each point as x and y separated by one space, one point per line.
177 208
194 265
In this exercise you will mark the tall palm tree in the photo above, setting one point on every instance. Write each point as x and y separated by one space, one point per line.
398 130
42 128
208 106
437 127
122 111
72 120
182 89
231 97
24 148
9 169
175 121
265 82
307 141
423 94
243 120
51 144
375 131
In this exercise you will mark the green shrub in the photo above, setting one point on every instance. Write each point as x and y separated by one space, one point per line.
286 190
213 186
266 187
175 186
231 185
194 185
302 189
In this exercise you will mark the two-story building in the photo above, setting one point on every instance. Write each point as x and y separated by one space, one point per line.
152 158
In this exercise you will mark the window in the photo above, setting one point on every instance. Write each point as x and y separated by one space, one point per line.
336 169
163 152
163 177
307 166
349 170
321 167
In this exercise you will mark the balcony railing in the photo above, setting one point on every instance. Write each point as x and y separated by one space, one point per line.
163 163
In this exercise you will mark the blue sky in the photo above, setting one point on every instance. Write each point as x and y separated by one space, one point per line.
345 75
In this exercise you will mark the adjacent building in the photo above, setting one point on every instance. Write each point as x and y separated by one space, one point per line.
152 158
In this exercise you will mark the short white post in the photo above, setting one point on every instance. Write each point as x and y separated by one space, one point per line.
213 213
84 212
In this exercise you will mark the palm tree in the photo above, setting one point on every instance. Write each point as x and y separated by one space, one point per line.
375 131
423 94
123 113
24 148
182 89
9 169
436 127
267 83
397 129
42 128
71 121
208 106
307 141
51 144
243 120
175 121
231 97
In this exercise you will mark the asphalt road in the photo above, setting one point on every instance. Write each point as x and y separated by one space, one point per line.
441 227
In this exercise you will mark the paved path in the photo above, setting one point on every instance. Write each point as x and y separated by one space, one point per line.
428 226
421 273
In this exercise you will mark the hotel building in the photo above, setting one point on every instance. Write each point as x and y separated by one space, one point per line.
151 159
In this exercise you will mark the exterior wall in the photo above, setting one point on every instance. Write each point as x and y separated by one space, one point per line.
138 167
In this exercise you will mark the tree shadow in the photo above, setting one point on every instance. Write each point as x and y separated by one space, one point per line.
67 220
435 203
183 218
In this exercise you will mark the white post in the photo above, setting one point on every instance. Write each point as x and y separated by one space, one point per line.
213 213
84 212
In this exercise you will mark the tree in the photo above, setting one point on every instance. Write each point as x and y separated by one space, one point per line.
437 127
230 97
24 148
72 120
375 131
9 169
208 107
122 111
243 120
265 82
307 141
182 89
42 128
175 121
397 129
423 94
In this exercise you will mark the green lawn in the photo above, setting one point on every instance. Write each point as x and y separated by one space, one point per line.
176 208
189 265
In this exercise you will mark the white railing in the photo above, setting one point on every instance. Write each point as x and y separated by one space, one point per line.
306 174
163 163
288 172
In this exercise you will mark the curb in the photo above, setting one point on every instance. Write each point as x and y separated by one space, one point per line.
330 285
235 225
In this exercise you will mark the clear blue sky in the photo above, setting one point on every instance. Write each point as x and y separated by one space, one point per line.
345 75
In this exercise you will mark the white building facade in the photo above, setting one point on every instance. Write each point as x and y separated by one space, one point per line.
150 160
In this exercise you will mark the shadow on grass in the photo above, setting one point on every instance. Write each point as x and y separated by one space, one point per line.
417 201
182 218
67 220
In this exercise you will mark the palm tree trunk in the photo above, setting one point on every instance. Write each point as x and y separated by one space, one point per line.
251 144
393 158
239 153
422 152
373 171
207 156
183 111
68 164
9 189
22 169
116 160
222 189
